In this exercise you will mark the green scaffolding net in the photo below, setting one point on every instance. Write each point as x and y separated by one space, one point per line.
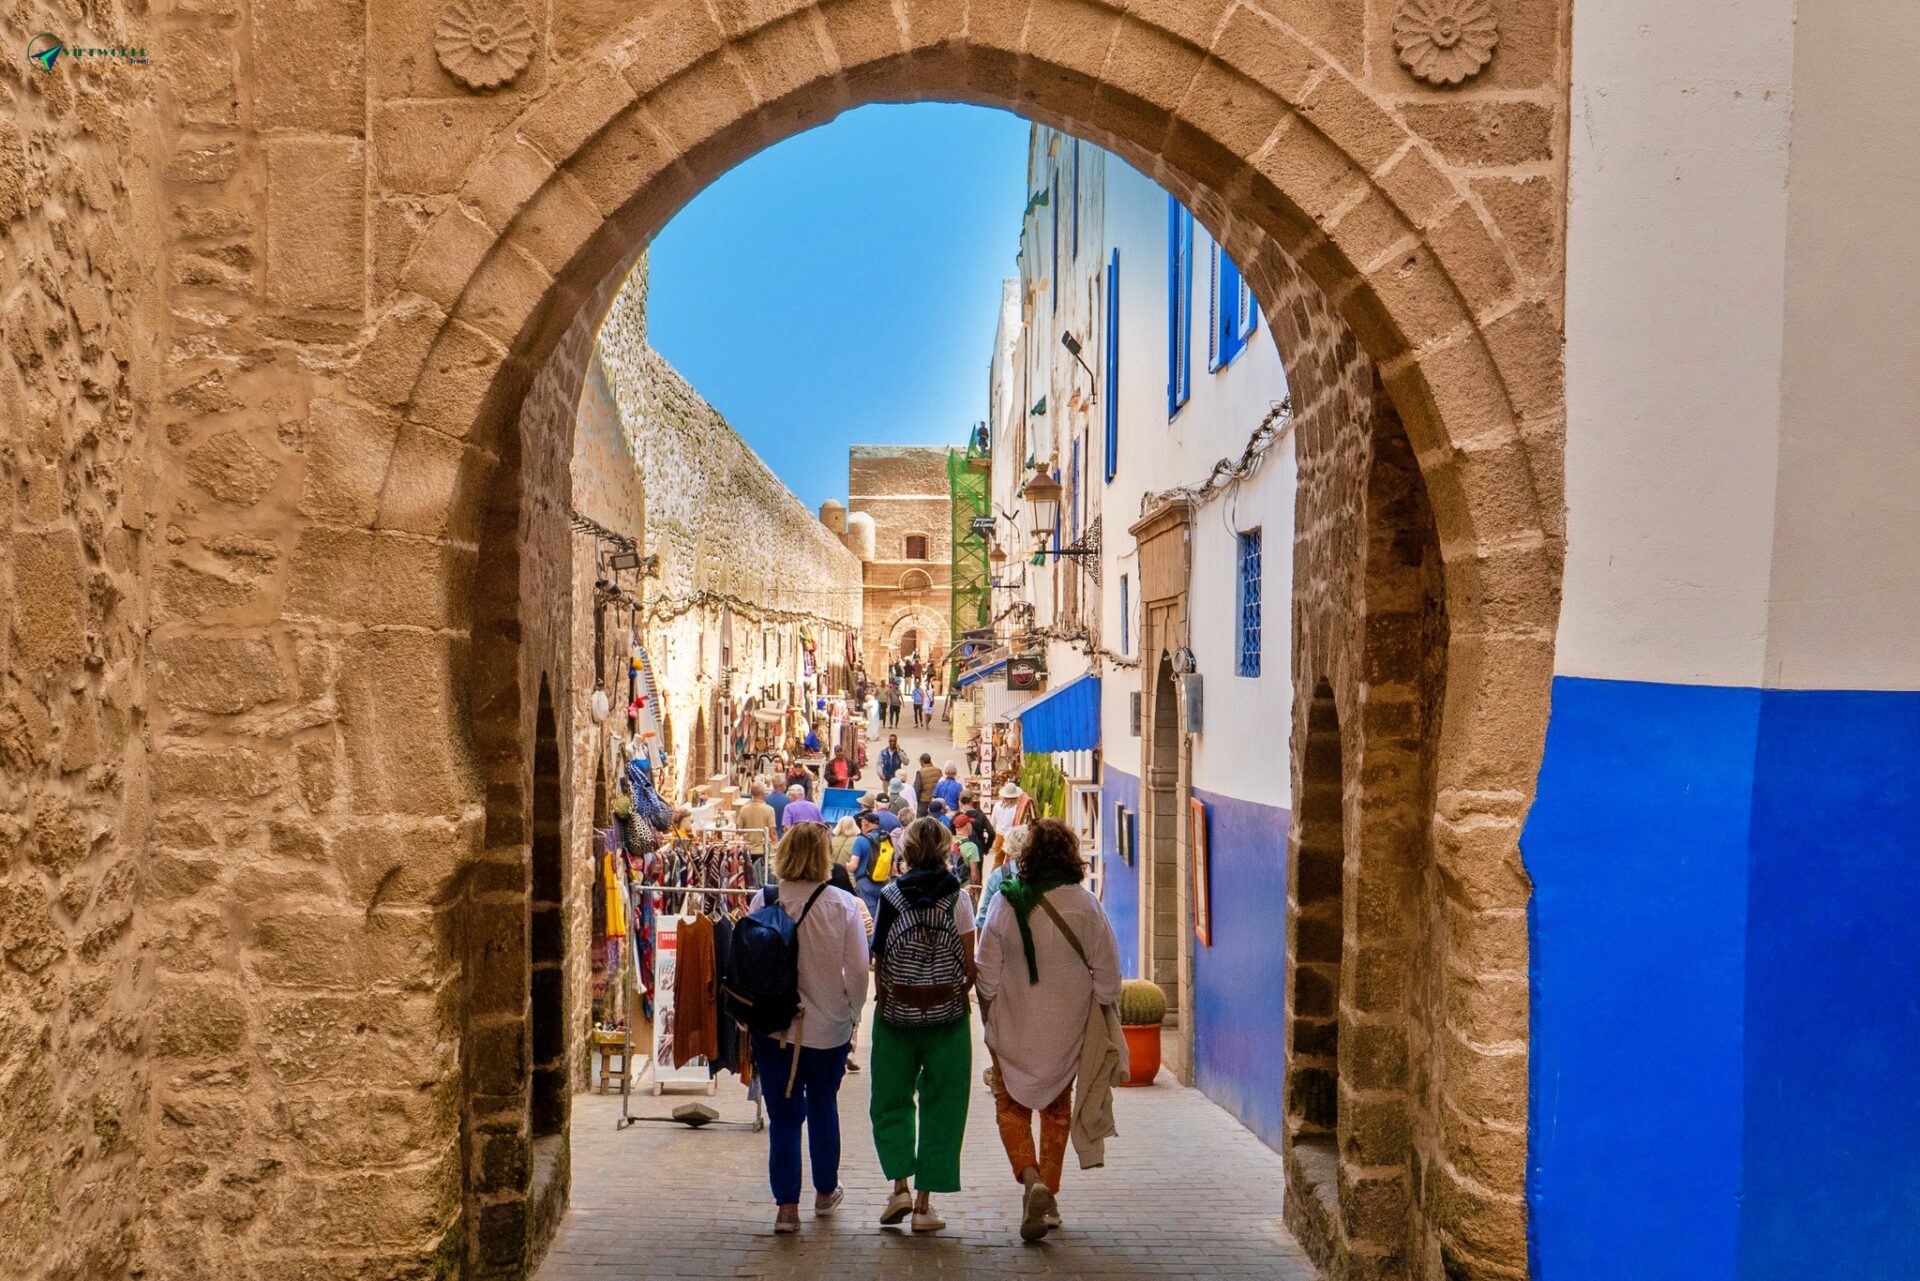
968 474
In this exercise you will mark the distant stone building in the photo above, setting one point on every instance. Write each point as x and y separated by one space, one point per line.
898 495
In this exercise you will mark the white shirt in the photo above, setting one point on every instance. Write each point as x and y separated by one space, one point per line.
833 964
1035 1029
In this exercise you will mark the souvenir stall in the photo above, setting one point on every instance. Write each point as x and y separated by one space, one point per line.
677 895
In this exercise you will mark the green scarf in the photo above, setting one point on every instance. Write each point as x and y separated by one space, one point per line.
1025 896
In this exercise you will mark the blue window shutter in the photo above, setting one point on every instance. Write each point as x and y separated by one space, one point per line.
1216 350
1076 200
1179 306
1054 208
1113 367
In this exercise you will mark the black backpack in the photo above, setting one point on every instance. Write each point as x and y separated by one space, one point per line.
761 988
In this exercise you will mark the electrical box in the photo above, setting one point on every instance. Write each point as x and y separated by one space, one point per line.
1193 695
1133 713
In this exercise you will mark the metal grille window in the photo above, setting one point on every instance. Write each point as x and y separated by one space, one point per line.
916 546
1250 603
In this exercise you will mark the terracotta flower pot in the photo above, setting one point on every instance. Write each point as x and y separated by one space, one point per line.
1143 1052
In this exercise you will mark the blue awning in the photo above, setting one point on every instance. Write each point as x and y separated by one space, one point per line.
978 673
1066 720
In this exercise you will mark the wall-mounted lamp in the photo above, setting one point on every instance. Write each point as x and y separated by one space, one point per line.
1072 345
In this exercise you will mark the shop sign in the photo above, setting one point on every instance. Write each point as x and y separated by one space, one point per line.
1026 671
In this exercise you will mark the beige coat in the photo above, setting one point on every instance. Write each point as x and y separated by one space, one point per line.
1103 1065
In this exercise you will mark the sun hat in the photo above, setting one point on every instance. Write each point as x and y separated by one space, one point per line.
1011 792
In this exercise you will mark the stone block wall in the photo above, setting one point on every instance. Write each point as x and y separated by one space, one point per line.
736 547
904 490
81 1057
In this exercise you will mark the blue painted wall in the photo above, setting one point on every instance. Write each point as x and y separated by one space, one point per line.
1121 892
1726 985
1832 1152
1240 987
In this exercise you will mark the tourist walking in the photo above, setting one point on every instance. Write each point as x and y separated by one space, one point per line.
801 1068
865 854
800 809
926 703
923 782
949 787
1047 959
891 759
922 1035
1002 858
756 814
900 800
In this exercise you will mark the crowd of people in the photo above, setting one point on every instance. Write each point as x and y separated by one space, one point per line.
937 904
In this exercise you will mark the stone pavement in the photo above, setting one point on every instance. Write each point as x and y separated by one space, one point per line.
1186 1193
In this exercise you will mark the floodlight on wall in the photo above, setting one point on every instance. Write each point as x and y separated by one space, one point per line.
624 560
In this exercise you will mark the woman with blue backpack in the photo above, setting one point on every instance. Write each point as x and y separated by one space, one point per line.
797 978
922 1034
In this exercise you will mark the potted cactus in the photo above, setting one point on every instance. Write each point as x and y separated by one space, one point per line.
1143 1006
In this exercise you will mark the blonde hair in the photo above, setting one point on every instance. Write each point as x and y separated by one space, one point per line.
804 854
928 842
846 826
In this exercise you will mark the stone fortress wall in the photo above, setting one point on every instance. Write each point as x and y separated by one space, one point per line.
732 539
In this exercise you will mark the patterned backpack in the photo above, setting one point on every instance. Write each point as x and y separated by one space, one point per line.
923 965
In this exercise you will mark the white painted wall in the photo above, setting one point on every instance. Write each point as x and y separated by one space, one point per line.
1676 253
1743 344
1242 751
1845 588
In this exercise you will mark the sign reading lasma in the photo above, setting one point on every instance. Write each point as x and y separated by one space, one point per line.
46 51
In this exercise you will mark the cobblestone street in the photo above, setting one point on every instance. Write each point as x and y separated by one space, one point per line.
1186 1192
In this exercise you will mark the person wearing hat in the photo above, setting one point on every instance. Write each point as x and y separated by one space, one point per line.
966 850
900 800
866 847
1014 810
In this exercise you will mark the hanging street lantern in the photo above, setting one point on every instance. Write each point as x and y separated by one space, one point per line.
1042 495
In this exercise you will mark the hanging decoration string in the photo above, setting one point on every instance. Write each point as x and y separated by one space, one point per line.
665 609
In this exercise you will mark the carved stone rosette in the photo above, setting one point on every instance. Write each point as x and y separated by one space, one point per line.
483 45
1444 42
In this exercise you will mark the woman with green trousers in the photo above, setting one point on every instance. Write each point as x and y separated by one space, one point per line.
922 1061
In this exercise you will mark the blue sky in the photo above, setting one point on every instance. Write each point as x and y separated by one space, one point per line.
842 288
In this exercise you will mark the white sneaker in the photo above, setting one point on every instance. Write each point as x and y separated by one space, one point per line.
785 1223
825 1203
928 1220
899 1206
1037 1206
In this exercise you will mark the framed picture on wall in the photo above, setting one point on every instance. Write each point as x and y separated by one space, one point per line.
1202 872
1123 833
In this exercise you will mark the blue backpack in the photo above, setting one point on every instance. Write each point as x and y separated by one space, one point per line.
761 988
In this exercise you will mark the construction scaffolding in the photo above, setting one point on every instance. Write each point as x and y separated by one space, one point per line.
969 475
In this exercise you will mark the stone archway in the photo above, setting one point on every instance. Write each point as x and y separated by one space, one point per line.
1308 169
929 630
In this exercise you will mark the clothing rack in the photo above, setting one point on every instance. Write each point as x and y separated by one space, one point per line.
632 988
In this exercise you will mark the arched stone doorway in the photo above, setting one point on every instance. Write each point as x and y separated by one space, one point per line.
1356 211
